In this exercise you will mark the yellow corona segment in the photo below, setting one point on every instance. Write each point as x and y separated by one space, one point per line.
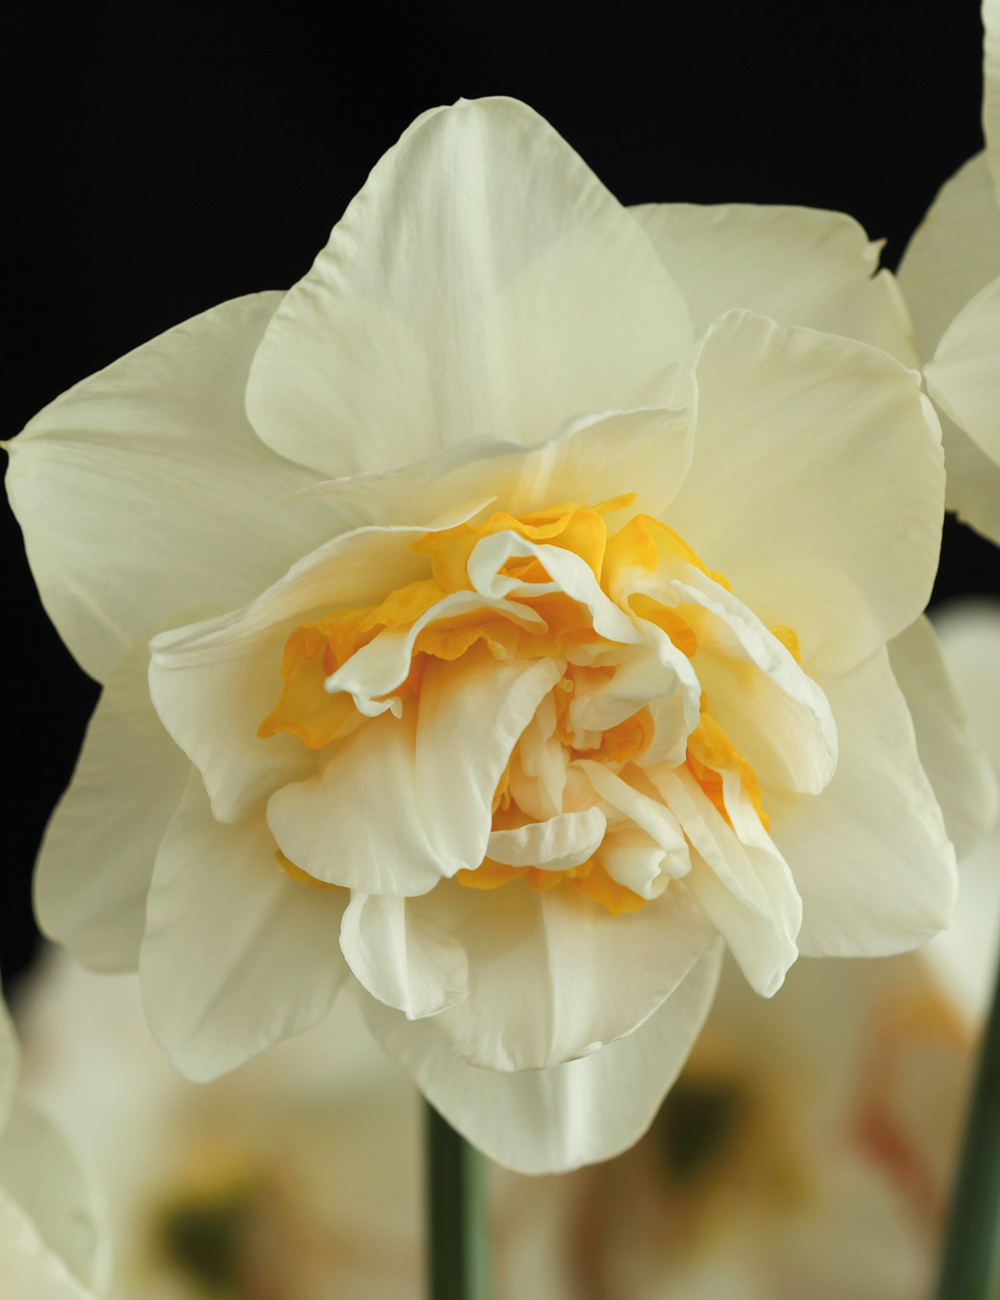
315 651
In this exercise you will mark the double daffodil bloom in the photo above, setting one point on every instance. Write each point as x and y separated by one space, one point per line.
499 623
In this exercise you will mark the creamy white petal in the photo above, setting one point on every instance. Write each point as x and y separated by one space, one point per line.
144 490
561 842
798 266
589 458
633 858
958 769
40 1171
96 860
31 1270
487 270
742 883
9 1063
654 818
870 855
402 802
968 635
235 956
401 955
824 452
963 376
973 487
554 975
214 683
954 252
551 1121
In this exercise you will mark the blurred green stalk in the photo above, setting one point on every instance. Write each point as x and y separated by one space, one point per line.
458 1243
970 1263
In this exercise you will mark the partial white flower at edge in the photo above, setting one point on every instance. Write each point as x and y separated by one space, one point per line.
535 598
52 1241
950 275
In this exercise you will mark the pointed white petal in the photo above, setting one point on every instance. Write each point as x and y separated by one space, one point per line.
964 375
870 855
798 266
236 956
816 485
144 490
958 769
490 273
40 1171
551 1121
96 860
401 956
554 975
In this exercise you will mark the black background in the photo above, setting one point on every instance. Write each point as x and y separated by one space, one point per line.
162 162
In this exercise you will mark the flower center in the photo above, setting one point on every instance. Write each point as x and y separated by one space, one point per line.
552 584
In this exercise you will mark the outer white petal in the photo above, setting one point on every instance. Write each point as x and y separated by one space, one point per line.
402 802
487 270
550 1121
817 485
401 956
959 771
144 490
235 955
553 976
40 1171
968 632
870 855
798 266
590 458
31 1271
214 683
973 487
964 375
96 860
10 1060
954 253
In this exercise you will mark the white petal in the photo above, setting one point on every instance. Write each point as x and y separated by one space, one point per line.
968 634
959 771
31 1270
954 252
235 955
39 1170
551 1121
798 266
973 486
633 858
144 490
96 860
553 975
401 956
214 683
562 842
402 802
964 375
870 855
487 270
589 458
9 1063
649 815
816 486
740 879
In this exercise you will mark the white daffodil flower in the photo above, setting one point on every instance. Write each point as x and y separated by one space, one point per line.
51 1243
950 274
522 598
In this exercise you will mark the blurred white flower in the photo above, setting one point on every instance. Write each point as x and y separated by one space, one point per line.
513 779
950 274
51 1242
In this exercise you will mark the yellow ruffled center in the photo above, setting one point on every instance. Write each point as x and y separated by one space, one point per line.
316 650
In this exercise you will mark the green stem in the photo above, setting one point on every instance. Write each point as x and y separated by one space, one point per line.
458 1247
970 1264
